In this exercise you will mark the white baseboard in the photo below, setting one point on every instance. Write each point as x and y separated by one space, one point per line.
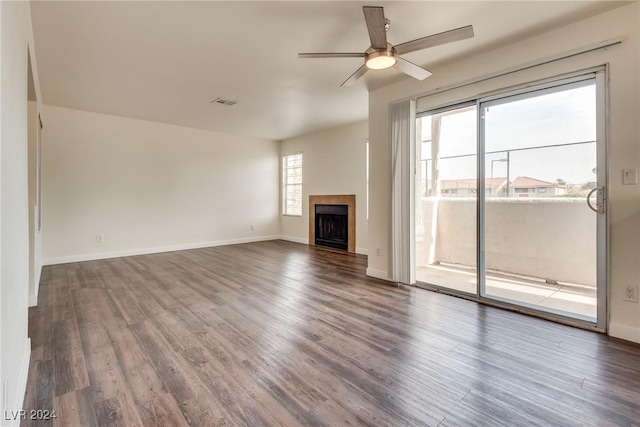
33 300
24 374
624 332
361 251
295 239
18 403
378 274
147 251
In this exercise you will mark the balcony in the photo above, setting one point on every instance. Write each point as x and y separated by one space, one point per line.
539 251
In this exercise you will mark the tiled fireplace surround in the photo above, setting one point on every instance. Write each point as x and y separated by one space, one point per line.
346 199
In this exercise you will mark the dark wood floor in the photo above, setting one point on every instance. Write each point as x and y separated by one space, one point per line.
278 333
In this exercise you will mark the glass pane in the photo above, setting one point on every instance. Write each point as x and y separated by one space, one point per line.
294 160
294 176
293 200
446 200
540 235
292 184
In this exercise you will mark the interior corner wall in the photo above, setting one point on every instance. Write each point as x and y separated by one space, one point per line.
114 186
333 162
16 36
623 63
34 233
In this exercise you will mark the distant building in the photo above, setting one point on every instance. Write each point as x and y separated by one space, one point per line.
522 186
458 187
467 187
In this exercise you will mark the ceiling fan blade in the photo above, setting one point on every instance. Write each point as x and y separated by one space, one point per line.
332 55
435 40
374 17
355 76
411 69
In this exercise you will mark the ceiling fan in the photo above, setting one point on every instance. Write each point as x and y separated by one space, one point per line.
382 54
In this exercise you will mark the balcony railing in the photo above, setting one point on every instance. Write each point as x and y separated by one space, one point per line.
568 168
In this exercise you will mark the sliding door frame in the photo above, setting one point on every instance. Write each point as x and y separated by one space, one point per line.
431 112
600 76
556 85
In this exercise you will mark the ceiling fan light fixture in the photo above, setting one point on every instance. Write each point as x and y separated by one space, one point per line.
380 60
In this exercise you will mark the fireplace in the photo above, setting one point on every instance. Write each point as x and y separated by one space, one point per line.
336 227
332 226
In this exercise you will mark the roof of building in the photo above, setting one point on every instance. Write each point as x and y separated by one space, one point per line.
527 182
447 184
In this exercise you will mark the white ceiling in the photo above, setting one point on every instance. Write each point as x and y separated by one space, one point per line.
165 61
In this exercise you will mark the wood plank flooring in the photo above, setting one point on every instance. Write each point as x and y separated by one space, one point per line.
282 334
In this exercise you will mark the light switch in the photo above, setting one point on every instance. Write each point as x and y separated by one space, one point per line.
630 176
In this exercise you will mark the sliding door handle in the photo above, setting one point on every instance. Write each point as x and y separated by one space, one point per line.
599 208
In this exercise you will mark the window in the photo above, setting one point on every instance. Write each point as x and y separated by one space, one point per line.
292 184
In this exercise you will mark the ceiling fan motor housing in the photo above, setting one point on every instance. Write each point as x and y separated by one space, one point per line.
379 59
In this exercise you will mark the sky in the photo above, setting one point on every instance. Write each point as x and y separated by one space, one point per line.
541 119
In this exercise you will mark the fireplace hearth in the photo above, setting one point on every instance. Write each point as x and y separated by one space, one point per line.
332 226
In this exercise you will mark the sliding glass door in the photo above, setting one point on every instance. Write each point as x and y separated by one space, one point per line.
540 236
510 201
446 198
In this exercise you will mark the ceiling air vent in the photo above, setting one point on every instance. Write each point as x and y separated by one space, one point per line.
226 102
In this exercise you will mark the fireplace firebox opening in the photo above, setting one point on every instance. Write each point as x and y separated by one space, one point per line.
346 203
332 226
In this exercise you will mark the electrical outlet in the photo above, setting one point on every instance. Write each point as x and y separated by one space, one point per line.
377 251
630 293
629 176
99 238
253 228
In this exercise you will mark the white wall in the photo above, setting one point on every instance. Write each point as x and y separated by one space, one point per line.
624 136
16 36
149 187
333 162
